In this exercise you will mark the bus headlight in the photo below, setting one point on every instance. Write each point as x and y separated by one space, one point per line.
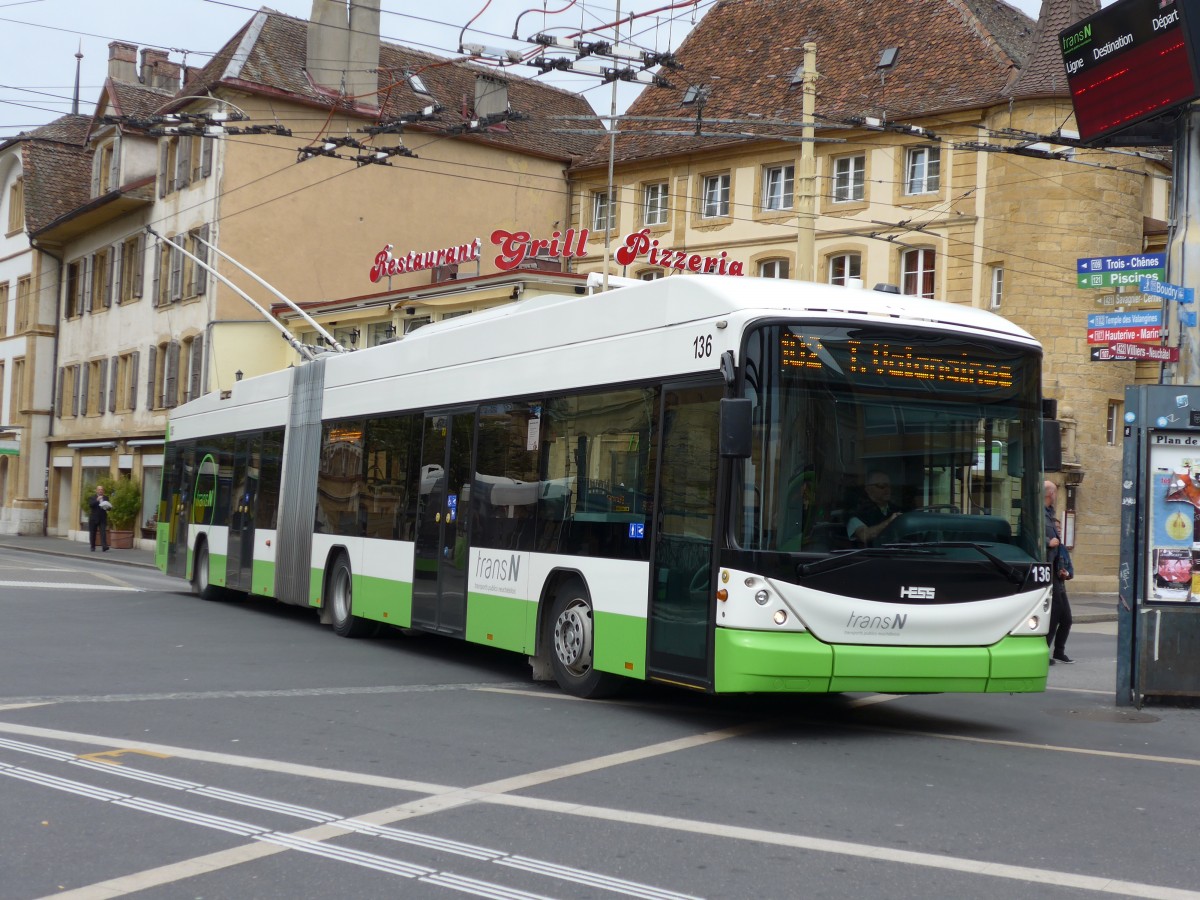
1046 604
780 616
1033 623
762 598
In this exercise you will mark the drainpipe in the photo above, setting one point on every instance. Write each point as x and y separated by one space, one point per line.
53 381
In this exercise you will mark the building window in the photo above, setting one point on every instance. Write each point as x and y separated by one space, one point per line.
132 264
415 82
922 170
773 268
183 160
843 267
654 204
716 196
604 215
16 206
849 178
1115 414
651 274
3 310
917 272
100 292
106 163
17 404
75 288
778 187
997 287
413 324
24 316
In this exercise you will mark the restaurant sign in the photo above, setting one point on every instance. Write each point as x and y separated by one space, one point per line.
517 246
387 264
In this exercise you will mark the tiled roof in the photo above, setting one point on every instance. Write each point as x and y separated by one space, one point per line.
1044 74
276 63
952 54
135 100
58 170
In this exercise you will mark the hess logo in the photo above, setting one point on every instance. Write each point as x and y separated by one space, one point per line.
917 593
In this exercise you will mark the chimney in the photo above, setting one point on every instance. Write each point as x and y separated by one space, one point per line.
158 71
343 49
122 62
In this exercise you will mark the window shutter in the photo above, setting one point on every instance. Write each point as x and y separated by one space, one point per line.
106 300
206 156
183 162
197 360
96 157
151 369
113 368
133 377
201 273
101 392
139 265
156 290
163 151
114 165
81 390
176 269
87 282
58 400
171 394
118 256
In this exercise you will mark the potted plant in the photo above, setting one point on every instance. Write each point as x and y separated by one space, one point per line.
126 500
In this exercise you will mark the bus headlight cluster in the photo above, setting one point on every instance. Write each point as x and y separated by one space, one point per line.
780 616
1033 623
1046 604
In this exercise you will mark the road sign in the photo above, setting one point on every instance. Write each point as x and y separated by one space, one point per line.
1132 299
1140 318
1135 335
1107 271
1167 291
1119 352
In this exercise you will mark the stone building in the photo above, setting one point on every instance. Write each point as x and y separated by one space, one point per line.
934 153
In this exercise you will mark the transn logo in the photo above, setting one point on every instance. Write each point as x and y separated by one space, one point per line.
917 593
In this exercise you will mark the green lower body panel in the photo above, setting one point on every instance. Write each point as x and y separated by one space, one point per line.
316 586
262 578
757 661
504 622
217 569
620 645
383 600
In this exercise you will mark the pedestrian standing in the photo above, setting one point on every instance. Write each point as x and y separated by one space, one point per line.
1061 571
98 507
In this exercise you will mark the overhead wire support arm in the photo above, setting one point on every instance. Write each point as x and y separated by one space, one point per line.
306 352
329 338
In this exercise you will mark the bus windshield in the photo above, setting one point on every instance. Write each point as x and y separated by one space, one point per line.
890 437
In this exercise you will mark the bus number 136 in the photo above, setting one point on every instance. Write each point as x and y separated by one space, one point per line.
702 346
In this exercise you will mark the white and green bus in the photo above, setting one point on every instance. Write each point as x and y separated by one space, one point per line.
663 482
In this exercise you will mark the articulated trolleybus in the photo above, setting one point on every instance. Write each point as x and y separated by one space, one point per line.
690 481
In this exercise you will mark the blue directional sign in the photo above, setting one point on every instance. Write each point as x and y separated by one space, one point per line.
1148 318
637 530
1168 291
1107 271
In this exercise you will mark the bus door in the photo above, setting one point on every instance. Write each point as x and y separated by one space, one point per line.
681 593
247 457
439 600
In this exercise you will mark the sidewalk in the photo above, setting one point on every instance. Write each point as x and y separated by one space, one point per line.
1084 607
57 546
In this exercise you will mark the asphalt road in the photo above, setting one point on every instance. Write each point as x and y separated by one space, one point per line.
154 745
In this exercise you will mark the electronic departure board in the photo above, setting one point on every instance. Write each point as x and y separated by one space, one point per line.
894 362
1128 63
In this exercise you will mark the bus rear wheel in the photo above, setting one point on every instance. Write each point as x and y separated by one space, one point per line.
571 638
339 594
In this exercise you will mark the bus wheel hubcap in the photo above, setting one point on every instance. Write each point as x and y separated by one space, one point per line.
573 637
341 596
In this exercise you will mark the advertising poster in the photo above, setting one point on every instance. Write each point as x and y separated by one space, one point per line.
1174 519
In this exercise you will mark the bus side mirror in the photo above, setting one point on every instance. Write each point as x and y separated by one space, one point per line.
1051 446
736 416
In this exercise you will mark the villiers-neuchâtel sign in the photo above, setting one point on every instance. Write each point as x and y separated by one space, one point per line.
1114 271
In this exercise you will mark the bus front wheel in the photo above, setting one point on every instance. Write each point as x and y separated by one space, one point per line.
340 597
201 586
571 636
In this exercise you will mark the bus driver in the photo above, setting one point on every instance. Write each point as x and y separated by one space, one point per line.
876 514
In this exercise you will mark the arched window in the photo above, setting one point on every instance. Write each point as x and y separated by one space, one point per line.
844 266
773 268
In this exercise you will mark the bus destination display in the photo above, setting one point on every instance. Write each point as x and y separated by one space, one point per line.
894 361
1128 63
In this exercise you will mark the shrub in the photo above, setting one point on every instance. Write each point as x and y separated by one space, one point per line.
125 497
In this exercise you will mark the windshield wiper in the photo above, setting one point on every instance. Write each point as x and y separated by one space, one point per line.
1009 571
846 557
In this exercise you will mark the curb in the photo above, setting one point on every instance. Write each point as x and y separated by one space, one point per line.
107 559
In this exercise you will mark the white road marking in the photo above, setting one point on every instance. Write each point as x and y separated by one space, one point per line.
69 586
448 797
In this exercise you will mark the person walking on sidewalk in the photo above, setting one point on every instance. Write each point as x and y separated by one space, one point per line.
98 507
1061 571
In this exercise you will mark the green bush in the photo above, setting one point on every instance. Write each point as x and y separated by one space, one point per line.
125 497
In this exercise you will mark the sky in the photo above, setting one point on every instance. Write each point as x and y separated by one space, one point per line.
41 37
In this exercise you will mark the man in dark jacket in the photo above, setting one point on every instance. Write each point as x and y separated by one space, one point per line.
98 507
1060 570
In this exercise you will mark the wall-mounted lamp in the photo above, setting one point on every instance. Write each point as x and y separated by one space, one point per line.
410 310
237 376
354 336
516 293
390 331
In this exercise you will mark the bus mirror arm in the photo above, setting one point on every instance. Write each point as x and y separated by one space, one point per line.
735 427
